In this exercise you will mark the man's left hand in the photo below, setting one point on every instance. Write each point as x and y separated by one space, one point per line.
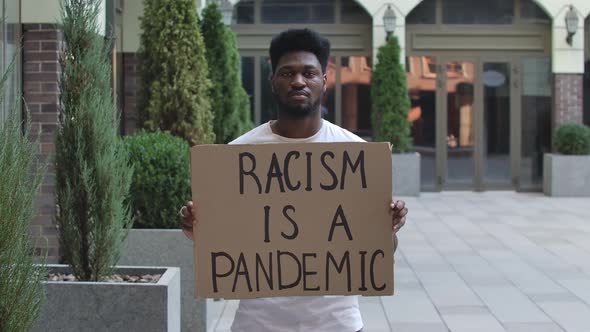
398 214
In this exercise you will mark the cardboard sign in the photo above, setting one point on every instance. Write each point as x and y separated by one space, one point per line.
292 219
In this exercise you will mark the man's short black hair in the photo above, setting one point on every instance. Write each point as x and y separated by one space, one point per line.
295 40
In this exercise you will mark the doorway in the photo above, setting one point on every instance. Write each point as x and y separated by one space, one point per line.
465 121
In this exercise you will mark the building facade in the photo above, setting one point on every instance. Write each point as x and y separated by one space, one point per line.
489 81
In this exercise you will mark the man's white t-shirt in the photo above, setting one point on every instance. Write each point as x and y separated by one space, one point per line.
298 313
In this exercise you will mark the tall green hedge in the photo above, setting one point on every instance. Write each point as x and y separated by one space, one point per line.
389 95
230 102
91 164
21 293
174 94
161 181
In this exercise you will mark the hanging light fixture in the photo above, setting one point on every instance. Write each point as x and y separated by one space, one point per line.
227 10
389 21
571 24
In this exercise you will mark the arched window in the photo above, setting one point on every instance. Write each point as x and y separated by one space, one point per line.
300 12
477 12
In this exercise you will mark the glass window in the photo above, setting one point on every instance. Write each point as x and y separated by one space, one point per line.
478 12
421 79
496 110
586 95
531 11
304 11
355 76
536 120
244 12
353 13
248 80
424 13
9 44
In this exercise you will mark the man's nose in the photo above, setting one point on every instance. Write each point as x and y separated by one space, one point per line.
297 81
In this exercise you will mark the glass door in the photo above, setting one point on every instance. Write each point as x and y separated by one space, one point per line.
459 111
497 124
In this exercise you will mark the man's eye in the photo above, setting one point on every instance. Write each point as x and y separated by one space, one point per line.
285 74
309 74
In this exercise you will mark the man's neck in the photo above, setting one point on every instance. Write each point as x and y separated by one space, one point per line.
297 128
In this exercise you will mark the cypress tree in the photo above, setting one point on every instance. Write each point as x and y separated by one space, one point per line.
389 95
21 293
230 102
92 165
174 94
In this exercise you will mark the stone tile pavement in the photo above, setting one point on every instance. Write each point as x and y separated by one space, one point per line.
485 262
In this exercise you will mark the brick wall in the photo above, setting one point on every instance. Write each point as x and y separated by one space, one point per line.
131 92
568 98
42 43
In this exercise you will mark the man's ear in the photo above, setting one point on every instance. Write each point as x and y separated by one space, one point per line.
325 83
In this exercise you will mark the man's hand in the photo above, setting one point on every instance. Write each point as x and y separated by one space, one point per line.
187 214
398 214
398 218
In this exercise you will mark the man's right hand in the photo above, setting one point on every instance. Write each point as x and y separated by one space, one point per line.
188 219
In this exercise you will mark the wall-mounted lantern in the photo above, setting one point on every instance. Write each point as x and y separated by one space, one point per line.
389 19
571 24
227 10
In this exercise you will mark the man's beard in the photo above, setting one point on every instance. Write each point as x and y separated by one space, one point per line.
297 112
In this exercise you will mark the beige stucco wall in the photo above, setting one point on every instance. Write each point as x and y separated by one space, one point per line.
48 11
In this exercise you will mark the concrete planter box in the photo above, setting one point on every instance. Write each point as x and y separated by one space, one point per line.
169 247
406 174
109 306
566 176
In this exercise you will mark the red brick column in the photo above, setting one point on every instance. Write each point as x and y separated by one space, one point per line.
42 43
568 98
131 92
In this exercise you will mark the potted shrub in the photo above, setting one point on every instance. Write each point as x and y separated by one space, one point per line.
390 107
93 176
160 185
567 172
21 292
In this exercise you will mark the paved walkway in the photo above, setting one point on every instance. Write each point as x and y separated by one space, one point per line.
485 262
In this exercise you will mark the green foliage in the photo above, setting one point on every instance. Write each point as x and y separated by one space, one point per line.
572 138
174 72
161 181
91 163
389 95
21 293
230 102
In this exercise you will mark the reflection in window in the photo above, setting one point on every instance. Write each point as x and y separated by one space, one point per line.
328 102
303 11
244 12
460 124
355 75
352 13
477 12
421 80
536 120
424 13
248 80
